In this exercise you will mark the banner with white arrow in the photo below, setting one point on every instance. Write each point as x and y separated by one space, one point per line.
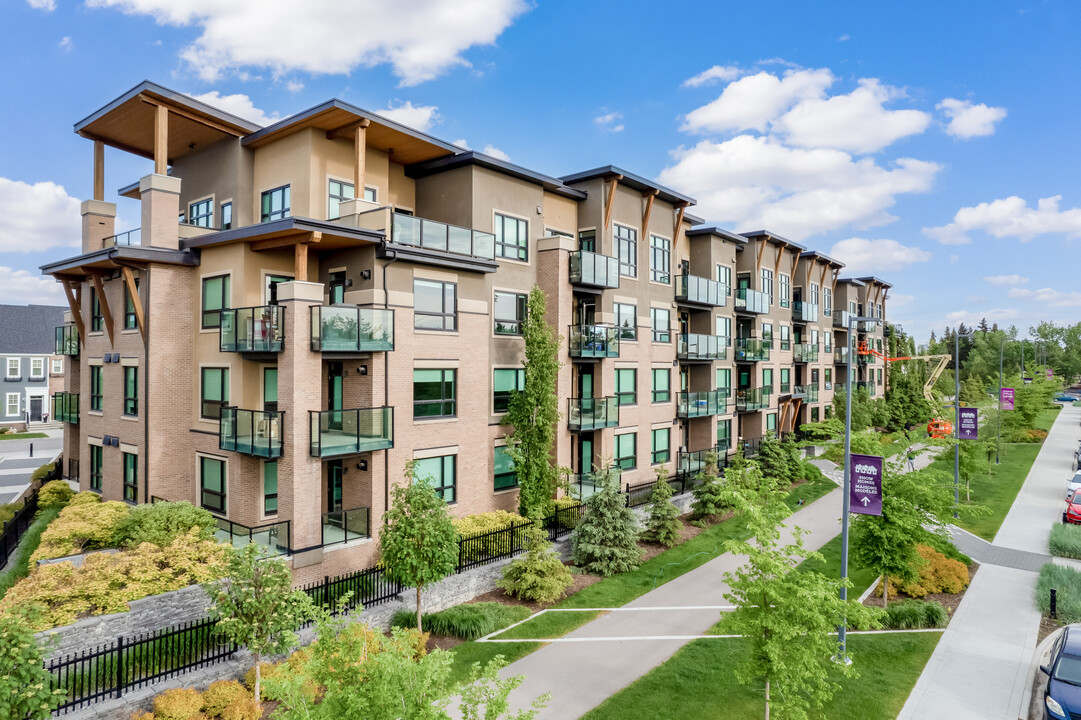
865 490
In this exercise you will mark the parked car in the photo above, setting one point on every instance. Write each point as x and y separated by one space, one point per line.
1072 514
1062 698
1073 484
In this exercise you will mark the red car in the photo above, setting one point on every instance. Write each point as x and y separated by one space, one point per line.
1073 510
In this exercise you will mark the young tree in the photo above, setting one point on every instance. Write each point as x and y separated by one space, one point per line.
709 490
256 605
25 684
662 525
774 461
418 542
534 411
606 540
539 575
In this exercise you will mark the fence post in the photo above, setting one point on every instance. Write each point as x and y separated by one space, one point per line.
119 666
326 590
461 546
1054 604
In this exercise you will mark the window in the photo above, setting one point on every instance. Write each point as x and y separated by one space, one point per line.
724 277
786 290
505 475
275 204
130 321
339 191
97 320
511 238
97 373
827 301
767 378
771 422
829 342
660 259
814 414
215 298
587 240
131 391
626 321
215 392
504 382
724 329
626 240
767 334
11 404
879 377
509 312
786 337
626 449
212 484
785 377
724 434
829 378
441 473
96 461
814 338
724 379
661 331
227 216
270 488
814 376
201 213
37 367
371 194
131 477
660 445
626 382
828 410
814 294
434 305
58 366
662 383
434 393
880 315
767 284
852 308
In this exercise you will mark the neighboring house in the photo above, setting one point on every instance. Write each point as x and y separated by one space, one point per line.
30 370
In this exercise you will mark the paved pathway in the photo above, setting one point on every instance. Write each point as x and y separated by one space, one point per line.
16 464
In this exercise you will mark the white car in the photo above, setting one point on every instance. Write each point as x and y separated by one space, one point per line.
1073 484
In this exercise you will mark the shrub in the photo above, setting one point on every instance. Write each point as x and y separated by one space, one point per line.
178 704
539 575
82 527
915 614
44 470
468 621
266 671
481 524
161 523
7 512
25 684
221 694
243 708
937 574
1067 584
84 498
662 524
1065 540
55 493
568 520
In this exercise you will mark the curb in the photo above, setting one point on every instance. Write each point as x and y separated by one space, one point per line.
867 593
1034 667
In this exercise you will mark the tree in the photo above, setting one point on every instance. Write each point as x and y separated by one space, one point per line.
418 542
25 684
606 540
775 462
256 605
534 412
708 490
662 525
539 575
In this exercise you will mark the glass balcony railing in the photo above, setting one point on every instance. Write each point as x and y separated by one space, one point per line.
701 404
589 268
804 312
752 350
583 485
586 414
840 356
273 536
751 446
348 432
341 526
748 399
433 235
67 340
751 301
593 341
251 432
840 319
804 352
253 329
131 237
690 346
66 407
348 328
809 392
867 359
868 386
701 291
865 326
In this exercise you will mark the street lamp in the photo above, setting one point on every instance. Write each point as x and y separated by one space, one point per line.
957 420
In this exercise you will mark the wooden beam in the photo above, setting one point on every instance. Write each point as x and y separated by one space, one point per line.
836 275
161 141
822 277
784 414
758 261
777 267
136 301
99 170
76 309
177 110
282 242
360 145
104 302
649 195
678 229
118 145
345 132
613 182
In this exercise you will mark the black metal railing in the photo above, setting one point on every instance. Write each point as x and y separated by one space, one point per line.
751 447
253 329
365 588
589 268
489 547
700 291
348 328
252 432
341 526
66 407
131 237
434 235
593 341
67 340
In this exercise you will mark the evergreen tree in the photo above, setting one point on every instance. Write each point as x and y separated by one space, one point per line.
708 490
773 460
606 539
539 575
662 525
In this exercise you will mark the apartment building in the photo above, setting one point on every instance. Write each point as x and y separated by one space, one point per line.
307 307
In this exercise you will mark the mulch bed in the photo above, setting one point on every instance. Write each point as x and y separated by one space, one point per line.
1047 626
950 601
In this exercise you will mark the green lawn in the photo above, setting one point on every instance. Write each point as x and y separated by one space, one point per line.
472 652
698 682
22 436
861 577
549 625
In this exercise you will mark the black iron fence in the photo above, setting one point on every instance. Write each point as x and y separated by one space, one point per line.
366 588
489 547
14 529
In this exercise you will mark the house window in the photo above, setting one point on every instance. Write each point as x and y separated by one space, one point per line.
785 380
662 383
626 449
227 216
212 484
814 414
827 301
659 317
441 474
504 382
434 393
786 290
130 321
771 422
275 204
97 319
434 305
814 376
767 334
724 277
509 312
724 379
37 368
660 259
723 327
131 477
828 377
371 194
626 380
724 434
58 366
11 403
767 378
627 250
660 445
626 320
505 475
814 294
511 238
201 213
96 462
767 284
828 411
215 392
786 337
339 192
829 342
879 377
215 299
270 488
97 376
131 391
587 240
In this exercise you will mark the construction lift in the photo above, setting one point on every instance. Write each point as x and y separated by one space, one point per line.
936 428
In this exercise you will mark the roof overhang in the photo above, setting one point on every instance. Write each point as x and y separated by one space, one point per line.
636 182
287 232
107 260
772 237
719 232
823 257
872 279
469 158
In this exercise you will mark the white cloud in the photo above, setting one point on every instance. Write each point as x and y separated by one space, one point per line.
752 102
240 105
1047 297
294 86
610 122
460 142
46 5
66 44
419 39
37 217
954 259
899 300
712 75
22 287
844 38
496 153
968 120
1006 279
861 255
1009 217
418 117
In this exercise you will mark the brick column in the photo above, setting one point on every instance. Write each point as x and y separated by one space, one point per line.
161 206
99 222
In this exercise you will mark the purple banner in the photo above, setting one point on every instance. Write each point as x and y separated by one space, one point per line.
865 489
1005 399
1049 373
970 424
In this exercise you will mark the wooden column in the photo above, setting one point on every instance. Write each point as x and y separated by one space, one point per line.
136 301
99 170
650 195
300 266
613 183
106 312
161 140
360 145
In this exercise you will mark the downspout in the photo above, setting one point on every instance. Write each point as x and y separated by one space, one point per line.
386 375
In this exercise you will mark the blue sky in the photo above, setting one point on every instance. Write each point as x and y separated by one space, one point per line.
934 144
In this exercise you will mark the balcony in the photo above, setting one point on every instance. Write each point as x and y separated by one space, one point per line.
809 392
253 329
131 237
593 270
351 329
690 464
67 340
701 404
66 407
752 350
867 326
804 353
591 342
869 387
840 319
251 432
840 356
751 399
751 447
694 290
867 359
349 432
273 536
701 348
587 414
442 237
751 301
582 485
804 312
341 526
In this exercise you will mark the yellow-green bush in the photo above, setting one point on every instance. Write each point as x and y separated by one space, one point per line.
222 694
81 527
85 497
179 704
938 574
242 709
54 493
486 522
568 520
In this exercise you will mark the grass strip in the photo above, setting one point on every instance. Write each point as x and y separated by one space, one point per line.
550 625
19 567
1065 540
476 652
22 436
861 577
1067 583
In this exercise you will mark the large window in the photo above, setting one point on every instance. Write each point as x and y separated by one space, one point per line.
662 384
201 213
626 451
214 392
724 277
227 216
215 299
724 379
339 192
14 368
434 393
767 283
130 321
723 327
626 382
435 305
504 382
131 391
659 318
11 404
827 301
131 477
660 259
724 433
96 461
767 378
37 368
786 341
828 342
97 319
771 423
626 320
505 475
786 290
587 240
270 488
828 377
814 293
660 445
509 312
511 238
441 473
96 382
212 484
767 334
58 366
275 204
627 250
786 376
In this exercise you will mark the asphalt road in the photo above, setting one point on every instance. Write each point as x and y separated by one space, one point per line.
16 464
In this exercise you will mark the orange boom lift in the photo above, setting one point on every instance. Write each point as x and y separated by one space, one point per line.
935 428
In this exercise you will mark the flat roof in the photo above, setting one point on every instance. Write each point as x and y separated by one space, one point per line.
872 279
106 259
720 232
471 157
284 228
630 179
772 236
822 256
